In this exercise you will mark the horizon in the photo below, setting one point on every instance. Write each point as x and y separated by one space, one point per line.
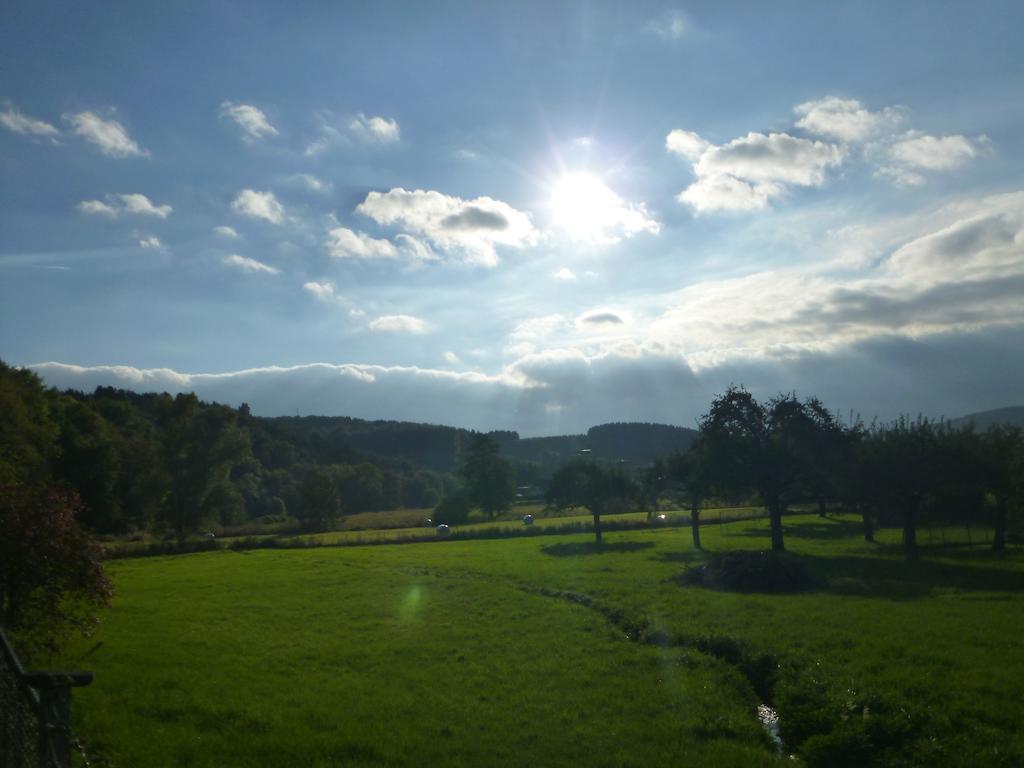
535 218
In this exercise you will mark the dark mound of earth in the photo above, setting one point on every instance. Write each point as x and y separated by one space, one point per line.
746 571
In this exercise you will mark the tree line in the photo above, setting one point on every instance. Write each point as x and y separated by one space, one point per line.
908 473
172 464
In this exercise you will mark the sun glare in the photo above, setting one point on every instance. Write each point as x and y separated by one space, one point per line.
581 204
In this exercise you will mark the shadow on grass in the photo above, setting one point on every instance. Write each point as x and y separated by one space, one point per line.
822 529
590 548
899 580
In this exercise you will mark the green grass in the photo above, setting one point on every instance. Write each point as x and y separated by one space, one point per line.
515 652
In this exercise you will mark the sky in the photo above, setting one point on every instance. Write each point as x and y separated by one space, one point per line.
530 216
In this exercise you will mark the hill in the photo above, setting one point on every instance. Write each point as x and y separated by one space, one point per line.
1010 416
439 448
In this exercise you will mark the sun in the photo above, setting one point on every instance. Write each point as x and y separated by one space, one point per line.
580 205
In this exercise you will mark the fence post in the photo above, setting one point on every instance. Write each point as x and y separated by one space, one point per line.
35 714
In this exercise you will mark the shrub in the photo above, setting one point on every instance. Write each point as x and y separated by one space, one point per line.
750 572
453 509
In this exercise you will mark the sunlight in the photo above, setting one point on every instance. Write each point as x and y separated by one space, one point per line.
583 205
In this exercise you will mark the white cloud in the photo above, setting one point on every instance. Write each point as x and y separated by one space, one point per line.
901 177
141 205
227 232
936 153
151 241
109 135
375 129
309 182
724 193
125 204
322 291
469 229
671 25
250 119
846 119
774 158
451 358
344 243
259 205
398 324
97 207
16 121
249 265
964 274
564 274
686 144
749 172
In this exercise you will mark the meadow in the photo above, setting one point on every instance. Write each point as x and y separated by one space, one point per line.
545 650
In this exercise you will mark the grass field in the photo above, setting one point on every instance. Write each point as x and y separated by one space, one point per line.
545 651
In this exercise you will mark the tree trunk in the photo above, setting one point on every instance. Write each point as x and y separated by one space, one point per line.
910 532
695 523
869 527
775 517
597 527
999 535
821 506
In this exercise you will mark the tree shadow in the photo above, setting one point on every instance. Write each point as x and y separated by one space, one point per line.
897 579
823 529
573 549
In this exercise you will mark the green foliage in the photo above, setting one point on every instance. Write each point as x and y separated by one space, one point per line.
784 451
51 579
601 488
200 448
489 478
453 509
320 506
28 433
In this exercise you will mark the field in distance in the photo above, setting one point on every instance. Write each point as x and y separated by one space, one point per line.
546 651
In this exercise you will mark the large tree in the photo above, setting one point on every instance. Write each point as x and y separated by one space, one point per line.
773 450
598 487
489 479
51 580
693 472
200 448
1003 461
902 468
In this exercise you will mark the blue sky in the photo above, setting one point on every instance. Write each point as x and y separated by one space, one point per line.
530 216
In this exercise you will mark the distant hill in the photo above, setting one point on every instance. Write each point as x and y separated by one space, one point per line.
1011 416
440 447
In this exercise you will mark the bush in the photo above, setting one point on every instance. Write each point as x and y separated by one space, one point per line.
452 510
750 572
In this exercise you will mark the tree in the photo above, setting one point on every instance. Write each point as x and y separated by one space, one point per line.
320 507
489 478
654 481
28 432
599 488
88 462
453 509
201 446
1003 451
692 471
51 578
900 472
771 450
